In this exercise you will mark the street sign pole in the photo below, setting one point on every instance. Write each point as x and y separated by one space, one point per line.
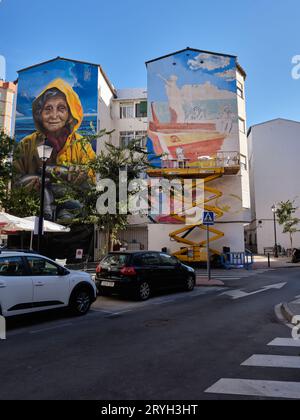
208 220
208 255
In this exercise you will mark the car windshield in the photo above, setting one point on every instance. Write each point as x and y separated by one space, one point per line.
117 260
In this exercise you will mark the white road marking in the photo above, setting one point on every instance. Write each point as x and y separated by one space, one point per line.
112 314
271 389
285 342
100 311
239 294
162 302
263 360
218 276
51 328
297 301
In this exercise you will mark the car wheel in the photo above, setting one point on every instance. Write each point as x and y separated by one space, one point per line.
80 302
143 291
190 284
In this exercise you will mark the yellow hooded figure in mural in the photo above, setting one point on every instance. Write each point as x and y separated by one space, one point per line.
57 114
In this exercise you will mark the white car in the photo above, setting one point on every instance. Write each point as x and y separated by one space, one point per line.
30 282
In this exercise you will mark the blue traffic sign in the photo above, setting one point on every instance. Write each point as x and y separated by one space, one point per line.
208 218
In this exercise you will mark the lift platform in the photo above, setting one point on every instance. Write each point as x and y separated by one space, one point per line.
209 169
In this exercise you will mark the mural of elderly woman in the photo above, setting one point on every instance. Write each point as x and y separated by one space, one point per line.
57 114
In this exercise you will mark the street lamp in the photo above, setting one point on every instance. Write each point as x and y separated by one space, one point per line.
274 210
44 152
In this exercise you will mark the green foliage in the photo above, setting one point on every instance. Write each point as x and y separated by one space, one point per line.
22 202
286 218
107 165
17 201
7 146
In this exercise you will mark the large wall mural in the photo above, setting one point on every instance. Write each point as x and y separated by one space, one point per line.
56 105
193 117
193 106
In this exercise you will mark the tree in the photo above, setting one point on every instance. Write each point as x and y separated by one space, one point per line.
107 165
7 147
22 202
286 218
18 201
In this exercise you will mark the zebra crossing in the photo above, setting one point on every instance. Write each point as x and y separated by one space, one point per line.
263 388
232 274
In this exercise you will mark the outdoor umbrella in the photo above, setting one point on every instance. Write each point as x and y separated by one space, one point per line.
9 223
49 227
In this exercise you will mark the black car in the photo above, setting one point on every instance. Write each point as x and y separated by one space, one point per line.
141 273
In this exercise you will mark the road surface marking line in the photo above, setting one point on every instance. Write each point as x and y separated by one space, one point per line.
285 342
162 302
263 360
119 313
271 389
100 311
50 328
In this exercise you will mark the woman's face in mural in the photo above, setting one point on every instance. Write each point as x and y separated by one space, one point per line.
55 114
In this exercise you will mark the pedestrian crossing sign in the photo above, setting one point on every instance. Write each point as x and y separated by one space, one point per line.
208 218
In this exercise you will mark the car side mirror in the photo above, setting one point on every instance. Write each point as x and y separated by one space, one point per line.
62 271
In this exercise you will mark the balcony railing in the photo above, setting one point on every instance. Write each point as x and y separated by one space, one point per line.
220 160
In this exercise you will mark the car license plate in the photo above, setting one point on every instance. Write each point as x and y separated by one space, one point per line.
107 284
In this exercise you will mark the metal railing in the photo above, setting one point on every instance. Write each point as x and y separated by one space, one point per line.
220 160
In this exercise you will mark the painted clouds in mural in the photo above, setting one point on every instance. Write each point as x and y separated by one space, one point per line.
56 101
193 106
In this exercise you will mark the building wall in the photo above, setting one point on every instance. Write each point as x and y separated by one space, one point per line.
105 117
135 124
244 146
194 88
274 164
158 237
7 105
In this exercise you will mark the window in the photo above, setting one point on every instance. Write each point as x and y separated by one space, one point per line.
41 267
141 110
12 267
242 125
243 159
126 137
168 260
142 136
126 110
240 89
117 260
147 259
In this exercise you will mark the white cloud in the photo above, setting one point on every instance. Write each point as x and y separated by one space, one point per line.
208 62
206 91
229 75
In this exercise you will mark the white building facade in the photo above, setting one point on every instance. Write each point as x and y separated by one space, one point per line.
7 106
274 149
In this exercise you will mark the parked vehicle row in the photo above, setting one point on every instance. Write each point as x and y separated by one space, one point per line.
30 282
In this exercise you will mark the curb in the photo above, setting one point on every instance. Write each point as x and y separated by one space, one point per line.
286 312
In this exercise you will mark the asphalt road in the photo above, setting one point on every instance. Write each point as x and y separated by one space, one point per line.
174 347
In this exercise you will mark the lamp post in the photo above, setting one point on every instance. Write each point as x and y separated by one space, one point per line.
274 210
44 152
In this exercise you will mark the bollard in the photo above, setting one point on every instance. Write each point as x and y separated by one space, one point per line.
269 261
2 328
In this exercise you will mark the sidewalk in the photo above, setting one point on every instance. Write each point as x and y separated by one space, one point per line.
290 311
261 261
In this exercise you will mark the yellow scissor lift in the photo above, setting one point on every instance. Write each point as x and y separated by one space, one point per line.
208 169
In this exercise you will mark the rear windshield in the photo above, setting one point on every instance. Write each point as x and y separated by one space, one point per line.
117 260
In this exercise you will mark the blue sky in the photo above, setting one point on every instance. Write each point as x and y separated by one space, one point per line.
122 35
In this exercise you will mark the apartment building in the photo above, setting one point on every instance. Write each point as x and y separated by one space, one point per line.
7 106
